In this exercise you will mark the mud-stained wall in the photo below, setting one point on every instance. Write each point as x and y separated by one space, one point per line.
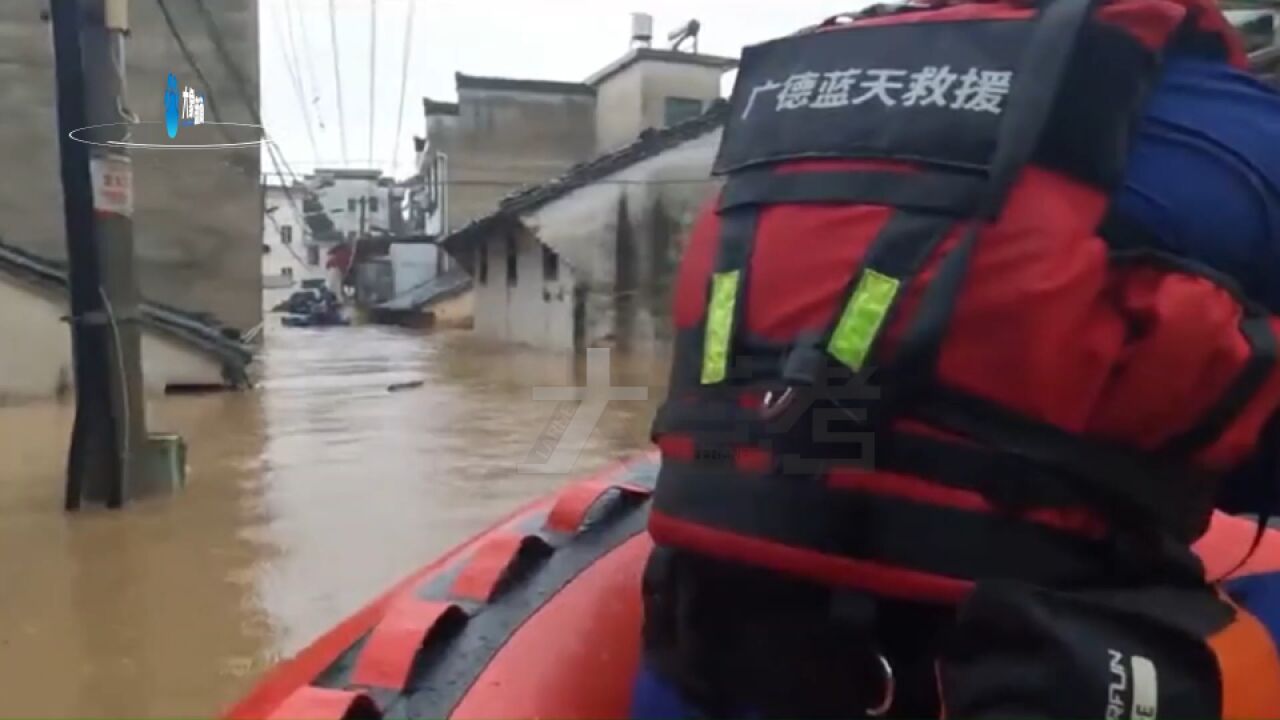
618 242
198 218
501 140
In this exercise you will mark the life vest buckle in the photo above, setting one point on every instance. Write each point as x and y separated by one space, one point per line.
890 689
774 403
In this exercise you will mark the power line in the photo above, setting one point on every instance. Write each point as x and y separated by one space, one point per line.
307 67
191 61
337 80
241 82
404 81
518 184
274 154
290 54
373 59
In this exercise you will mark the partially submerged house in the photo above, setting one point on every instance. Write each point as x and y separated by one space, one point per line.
587 259
566 200
180 350
506 133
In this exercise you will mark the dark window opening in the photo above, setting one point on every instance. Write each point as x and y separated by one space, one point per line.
351 204
679 109
287 272
313 255
373 204
482 263
512 257
286 234
550 265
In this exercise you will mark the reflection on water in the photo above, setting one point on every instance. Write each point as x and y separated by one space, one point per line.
305 499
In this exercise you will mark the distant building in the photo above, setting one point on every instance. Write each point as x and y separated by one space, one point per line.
288 259
506 133
587 259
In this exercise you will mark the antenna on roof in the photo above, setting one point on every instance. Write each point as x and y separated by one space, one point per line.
641 29
688 31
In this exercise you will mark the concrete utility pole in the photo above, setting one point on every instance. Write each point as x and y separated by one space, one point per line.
108 461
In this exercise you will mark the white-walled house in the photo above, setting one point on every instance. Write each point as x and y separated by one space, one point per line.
288 258
179 349
588 258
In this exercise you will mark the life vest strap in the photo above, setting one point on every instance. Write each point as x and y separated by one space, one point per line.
953 194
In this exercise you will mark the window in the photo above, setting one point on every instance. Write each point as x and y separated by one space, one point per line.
286 234
679 109
550 265
482 263
351 205
287 272
313 255
512 257
373 204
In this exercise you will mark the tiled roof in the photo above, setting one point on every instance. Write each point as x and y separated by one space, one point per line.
650 143
475 82
198 330
660 55
436 107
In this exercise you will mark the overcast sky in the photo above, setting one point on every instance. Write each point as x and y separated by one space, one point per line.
542 39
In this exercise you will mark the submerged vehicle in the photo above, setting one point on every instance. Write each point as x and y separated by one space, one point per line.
537 617
313 306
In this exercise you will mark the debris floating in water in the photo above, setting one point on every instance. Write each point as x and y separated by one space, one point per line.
395 387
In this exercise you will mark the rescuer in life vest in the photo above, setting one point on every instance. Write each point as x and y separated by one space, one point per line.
978 333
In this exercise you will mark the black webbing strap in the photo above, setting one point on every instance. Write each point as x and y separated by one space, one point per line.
1039 77
897 253
1157 488
1256 329
1255 326
926 191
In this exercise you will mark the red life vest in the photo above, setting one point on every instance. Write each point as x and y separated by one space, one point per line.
906 359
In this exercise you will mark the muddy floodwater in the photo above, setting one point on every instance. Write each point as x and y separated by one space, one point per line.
305 498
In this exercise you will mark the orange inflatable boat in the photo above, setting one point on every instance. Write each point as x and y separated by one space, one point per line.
537 617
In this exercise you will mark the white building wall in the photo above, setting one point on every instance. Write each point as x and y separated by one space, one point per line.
412 265
284 267
342 201
583 227
39 367
535 311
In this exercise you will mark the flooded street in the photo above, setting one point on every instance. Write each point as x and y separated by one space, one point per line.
305 498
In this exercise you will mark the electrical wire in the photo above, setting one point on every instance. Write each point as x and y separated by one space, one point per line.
517 184
337 80
373 59
290 53
307 66
126 456
191 61
404 81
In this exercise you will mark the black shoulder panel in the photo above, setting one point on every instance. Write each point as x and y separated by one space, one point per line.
931 92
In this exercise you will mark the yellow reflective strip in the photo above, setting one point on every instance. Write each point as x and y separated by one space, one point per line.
862 318
715 346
